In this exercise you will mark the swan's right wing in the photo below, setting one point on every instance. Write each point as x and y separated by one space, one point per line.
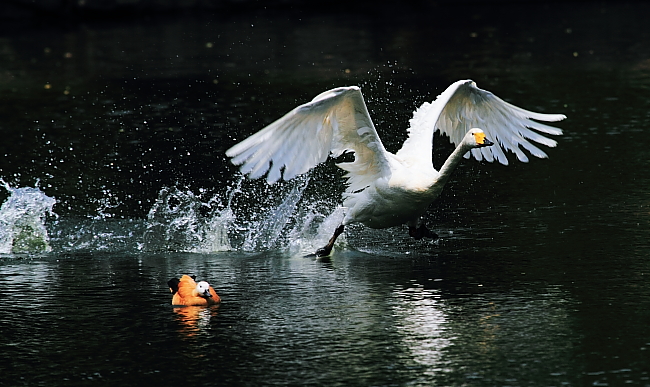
334 122
464 106
509 126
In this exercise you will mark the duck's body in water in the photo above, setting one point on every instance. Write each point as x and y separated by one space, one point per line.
187 292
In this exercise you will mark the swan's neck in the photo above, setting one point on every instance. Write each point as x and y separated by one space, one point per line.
450 164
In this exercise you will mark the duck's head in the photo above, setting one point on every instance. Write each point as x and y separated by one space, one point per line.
173 285
203 289
475 138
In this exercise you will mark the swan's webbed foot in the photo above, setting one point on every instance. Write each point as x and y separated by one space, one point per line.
327 249
323 251
422 232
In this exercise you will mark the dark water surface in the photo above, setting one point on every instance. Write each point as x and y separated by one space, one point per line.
540 276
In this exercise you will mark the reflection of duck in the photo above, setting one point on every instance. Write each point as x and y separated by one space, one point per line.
386 189
194 319
187 292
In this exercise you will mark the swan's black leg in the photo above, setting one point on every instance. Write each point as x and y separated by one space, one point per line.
327 249
422 232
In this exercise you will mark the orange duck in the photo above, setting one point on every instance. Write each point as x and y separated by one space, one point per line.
187 292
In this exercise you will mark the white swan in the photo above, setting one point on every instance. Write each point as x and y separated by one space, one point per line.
386 189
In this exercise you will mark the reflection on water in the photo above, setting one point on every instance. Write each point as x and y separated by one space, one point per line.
531 334
358 318
194 320
422 323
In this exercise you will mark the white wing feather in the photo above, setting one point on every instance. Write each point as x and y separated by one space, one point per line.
334 122
464 106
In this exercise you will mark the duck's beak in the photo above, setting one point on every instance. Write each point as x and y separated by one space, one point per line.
207 293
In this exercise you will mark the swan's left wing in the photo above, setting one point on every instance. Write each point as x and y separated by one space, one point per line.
464 106
334 122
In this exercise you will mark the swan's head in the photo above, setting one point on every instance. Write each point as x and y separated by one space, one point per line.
475 138
203 289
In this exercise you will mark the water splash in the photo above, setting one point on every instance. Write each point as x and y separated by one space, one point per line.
181 221
95 234
250 216
254 218
22 221
265 233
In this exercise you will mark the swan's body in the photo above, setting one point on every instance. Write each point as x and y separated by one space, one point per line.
386 189
187 292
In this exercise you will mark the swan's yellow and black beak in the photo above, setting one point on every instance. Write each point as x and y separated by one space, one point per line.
481 141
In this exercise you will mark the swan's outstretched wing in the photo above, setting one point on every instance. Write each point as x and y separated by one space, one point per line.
464 106
334 122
